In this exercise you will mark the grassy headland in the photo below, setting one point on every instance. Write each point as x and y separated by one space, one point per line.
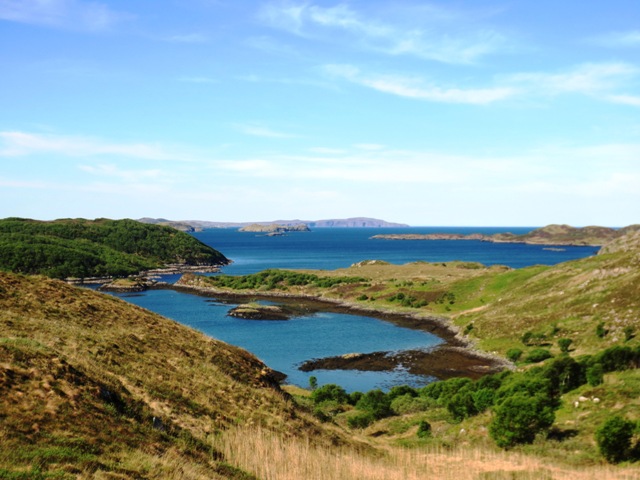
81 248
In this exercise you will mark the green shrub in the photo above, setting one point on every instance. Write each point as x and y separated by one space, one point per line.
618 358
564 374
614 439
514 354
564 344
400 390
330 392
424 429
483 399
628 333
595 375
601 332
538 355
519 418
361 420
405 404
461 405
376 403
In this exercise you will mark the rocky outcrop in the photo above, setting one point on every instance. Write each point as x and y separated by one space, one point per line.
254 311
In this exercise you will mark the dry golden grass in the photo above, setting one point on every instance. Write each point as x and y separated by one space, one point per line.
270 457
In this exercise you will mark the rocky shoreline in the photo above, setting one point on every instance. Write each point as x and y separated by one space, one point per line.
456 357
144 280
442 362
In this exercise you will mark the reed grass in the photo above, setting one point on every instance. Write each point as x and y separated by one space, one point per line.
269 456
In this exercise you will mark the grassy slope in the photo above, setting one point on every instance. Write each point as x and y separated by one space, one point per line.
563 301
82 375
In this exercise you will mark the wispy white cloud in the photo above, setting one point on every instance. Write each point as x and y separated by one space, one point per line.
598 80
427 38
68 14
590 78
417 88
257 130
16 144
632 100
126 175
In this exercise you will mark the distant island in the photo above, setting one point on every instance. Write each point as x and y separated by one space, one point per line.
549 235
274 229
199 225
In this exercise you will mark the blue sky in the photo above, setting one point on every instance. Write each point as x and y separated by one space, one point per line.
468 112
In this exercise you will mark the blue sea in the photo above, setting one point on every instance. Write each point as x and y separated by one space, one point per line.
284 345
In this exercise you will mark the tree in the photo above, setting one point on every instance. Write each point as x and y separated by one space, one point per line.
519 418
614 439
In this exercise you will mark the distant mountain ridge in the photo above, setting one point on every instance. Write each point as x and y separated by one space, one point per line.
354 222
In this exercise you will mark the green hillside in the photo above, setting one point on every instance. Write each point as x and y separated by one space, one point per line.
91 385
78 248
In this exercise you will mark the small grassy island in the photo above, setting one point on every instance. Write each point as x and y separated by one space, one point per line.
93 387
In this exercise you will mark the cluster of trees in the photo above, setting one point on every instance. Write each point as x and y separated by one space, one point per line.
523 403
279 279
84 248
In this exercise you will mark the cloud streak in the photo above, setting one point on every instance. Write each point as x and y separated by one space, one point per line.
67 14
18 144
599 80
413 87
411 37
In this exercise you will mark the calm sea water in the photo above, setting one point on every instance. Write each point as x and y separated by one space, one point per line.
283 345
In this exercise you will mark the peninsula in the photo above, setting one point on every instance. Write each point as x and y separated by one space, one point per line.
549 235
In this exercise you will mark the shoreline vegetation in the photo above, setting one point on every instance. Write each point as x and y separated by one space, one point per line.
458 356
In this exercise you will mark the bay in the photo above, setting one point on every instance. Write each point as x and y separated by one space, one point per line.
284 345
